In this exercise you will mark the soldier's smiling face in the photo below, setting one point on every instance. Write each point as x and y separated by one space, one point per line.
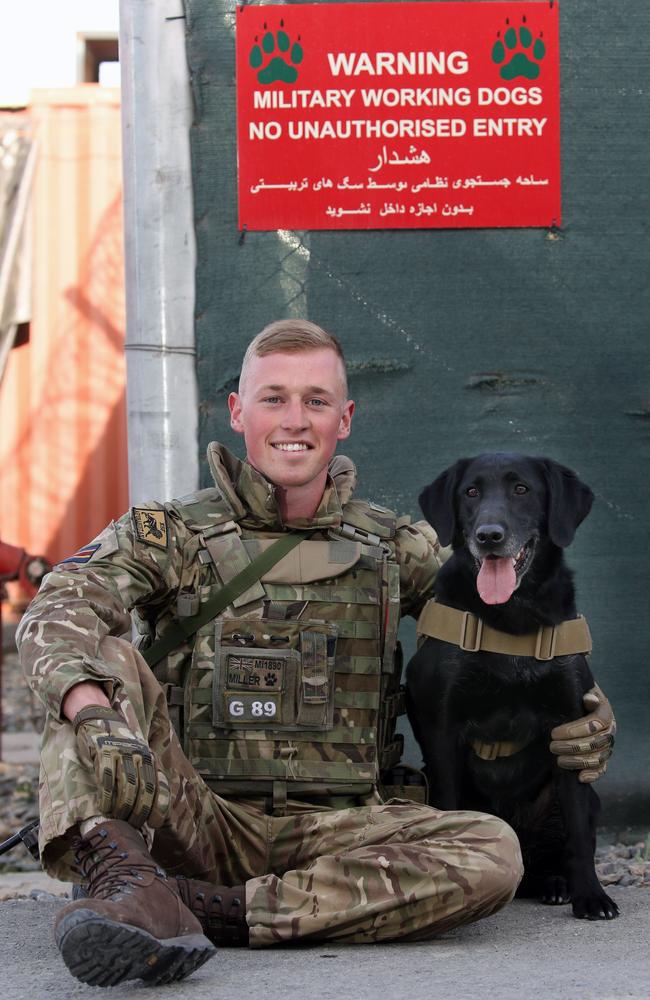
292 409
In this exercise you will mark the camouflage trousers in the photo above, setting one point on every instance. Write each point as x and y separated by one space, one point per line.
376 872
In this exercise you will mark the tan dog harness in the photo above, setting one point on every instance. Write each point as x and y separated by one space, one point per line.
471 634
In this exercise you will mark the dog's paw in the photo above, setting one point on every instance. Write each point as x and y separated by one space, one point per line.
594 906
555 891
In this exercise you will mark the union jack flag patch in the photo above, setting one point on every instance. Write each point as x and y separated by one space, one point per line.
83 555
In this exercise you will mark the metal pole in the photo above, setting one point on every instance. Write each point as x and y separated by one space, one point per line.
17 209
159 251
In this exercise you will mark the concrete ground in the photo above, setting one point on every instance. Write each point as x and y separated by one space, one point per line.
526 951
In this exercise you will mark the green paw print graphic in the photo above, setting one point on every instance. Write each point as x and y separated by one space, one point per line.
272 66
516 48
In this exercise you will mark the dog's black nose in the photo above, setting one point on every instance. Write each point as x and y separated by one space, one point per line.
486 533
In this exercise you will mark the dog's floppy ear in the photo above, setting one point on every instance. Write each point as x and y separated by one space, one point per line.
569 502
438 501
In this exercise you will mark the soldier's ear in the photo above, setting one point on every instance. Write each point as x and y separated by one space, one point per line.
235 407
438 501
569 501
346 420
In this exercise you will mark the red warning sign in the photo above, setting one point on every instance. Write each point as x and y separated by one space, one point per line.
398 115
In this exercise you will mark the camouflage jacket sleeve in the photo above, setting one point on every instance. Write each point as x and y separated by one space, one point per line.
89 596
420 556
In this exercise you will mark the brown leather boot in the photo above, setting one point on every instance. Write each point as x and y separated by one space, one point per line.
133 924
220 909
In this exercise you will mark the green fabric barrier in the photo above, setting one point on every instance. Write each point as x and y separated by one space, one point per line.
467 341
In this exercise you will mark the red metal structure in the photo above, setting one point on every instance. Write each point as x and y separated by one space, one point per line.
17 564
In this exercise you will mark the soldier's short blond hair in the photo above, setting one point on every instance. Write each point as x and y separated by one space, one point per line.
291 336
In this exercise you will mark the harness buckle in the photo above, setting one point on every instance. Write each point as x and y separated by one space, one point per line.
358 534
545 643
470 624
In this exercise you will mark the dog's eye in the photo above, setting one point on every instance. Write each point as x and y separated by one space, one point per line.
520 489
471 491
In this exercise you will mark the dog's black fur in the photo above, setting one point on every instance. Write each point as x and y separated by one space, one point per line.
499 505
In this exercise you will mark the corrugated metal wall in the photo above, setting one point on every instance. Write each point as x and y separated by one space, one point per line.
63 463
469 341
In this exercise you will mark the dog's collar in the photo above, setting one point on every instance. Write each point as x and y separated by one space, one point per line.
472 634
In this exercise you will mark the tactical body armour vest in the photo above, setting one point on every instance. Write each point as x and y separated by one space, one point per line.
295 689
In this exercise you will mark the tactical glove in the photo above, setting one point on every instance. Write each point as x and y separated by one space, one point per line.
130 785
587 744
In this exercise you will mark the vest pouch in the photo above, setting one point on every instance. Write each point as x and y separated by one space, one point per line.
273 675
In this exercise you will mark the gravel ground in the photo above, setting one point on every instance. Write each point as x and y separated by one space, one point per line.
617 864
21 712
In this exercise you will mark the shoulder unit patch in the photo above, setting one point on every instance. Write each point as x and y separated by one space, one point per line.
150 526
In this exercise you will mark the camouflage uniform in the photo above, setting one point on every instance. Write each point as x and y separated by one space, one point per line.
344 866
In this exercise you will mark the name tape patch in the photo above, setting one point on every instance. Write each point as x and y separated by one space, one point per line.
259 673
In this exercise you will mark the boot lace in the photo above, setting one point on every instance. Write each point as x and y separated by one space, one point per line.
222 913
107 869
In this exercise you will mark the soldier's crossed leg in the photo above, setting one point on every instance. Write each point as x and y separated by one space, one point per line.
380 873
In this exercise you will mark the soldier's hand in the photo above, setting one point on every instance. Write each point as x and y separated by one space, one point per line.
130 785
587 744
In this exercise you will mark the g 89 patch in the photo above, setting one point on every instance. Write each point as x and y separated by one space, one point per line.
244 707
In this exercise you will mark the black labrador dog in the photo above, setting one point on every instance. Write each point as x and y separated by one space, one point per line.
483 719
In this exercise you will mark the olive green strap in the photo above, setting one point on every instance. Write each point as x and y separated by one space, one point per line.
186 627
472 635
97 713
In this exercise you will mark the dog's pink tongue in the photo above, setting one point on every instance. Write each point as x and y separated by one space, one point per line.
496 580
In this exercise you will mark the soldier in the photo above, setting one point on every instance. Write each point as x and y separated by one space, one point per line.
219 780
